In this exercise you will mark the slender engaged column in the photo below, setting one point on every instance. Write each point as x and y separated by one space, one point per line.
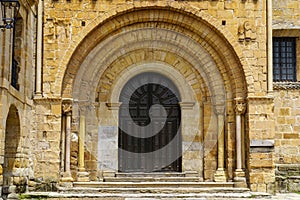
63 143
220 141
81 140
269 45
239 174
38 89
202 140
243 141
82 175
68 144
67 110
238 142
220 175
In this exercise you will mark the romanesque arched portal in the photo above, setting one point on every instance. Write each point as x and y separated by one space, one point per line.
185 48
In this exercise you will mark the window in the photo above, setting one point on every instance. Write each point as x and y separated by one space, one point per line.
284 59
17 53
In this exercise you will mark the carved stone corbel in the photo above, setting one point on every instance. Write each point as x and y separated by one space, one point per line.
247 32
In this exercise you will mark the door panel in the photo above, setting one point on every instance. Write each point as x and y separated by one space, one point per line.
138 145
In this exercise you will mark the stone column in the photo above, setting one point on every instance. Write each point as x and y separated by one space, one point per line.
239 174
82 175
39 41
220 175
202 140
67 110
63 143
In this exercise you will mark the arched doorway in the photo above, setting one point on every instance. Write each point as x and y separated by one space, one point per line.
149 120
12 138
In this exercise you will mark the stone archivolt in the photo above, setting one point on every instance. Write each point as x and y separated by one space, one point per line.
210 39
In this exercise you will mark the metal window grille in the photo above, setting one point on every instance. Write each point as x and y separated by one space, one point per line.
15 74
284 59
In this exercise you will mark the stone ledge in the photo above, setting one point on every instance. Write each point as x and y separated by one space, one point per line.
286 85
262 143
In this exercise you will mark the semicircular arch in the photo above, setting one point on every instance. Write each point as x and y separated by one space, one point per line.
90 72
232 59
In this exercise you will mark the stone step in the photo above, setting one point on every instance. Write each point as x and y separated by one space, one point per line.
159 190
140 185
151 179
153 190
151 174
140 196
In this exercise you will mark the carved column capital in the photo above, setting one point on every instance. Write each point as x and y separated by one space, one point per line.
240 108
220 109
67 106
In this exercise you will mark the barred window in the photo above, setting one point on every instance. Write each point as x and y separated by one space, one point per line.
284 59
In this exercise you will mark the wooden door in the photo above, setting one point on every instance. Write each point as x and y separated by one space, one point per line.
136 149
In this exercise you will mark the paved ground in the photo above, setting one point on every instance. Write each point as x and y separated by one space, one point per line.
287 196
53 196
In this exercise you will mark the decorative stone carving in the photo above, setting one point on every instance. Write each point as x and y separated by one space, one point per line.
67 106
220 109
247 32
240 108
62 30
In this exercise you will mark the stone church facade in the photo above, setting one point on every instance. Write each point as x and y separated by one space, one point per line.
238 95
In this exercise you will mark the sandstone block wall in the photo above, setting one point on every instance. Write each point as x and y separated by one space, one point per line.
287 126
287 139
68 23
286 14
286 23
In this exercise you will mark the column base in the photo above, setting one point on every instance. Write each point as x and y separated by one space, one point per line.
13 196
66 180
83 176
100 175
240 179
108 174
38 96
220 175
12 192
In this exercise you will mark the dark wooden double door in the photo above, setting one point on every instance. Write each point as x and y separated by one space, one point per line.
145 129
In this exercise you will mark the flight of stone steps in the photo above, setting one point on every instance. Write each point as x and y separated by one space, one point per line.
154 185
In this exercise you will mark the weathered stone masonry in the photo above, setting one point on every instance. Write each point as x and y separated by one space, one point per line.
215 52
